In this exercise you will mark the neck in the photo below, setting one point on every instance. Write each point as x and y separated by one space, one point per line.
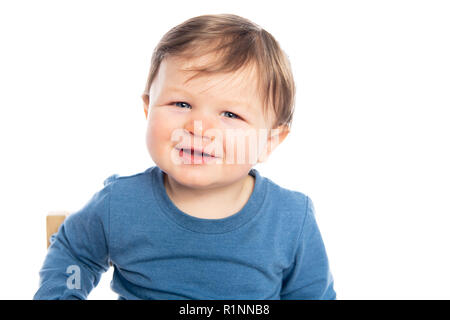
212 203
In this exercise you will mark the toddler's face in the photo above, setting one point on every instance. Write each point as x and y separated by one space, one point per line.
219 114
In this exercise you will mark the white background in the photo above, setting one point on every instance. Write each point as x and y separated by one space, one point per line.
369 144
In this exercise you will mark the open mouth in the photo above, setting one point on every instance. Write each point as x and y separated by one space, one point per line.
194 153
195 157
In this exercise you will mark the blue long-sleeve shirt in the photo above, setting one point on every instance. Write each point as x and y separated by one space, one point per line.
270 249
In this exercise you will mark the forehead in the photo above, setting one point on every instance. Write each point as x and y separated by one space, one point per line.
238 86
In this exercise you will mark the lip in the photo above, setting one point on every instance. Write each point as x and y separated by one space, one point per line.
200 151
192 158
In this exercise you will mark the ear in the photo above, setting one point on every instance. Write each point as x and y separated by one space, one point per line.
146 100
276 137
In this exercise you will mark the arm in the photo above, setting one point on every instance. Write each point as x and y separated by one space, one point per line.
309 276
78 253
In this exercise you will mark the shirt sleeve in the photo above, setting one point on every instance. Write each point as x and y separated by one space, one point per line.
309 277
78 253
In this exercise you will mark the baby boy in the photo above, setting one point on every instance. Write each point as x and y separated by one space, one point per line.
202 223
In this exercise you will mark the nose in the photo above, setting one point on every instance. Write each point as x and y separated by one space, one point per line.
198 126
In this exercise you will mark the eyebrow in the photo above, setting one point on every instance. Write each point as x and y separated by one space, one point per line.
225 101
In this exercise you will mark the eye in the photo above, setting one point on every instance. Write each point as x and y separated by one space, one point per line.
228 114
233 115
178 103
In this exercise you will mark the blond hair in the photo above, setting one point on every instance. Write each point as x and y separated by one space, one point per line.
239 42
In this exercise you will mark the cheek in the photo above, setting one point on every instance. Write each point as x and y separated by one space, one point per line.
159 131
242 147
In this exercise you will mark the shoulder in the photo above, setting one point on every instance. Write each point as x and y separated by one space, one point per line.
122 178
136 181
118 193
288 205
287 198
